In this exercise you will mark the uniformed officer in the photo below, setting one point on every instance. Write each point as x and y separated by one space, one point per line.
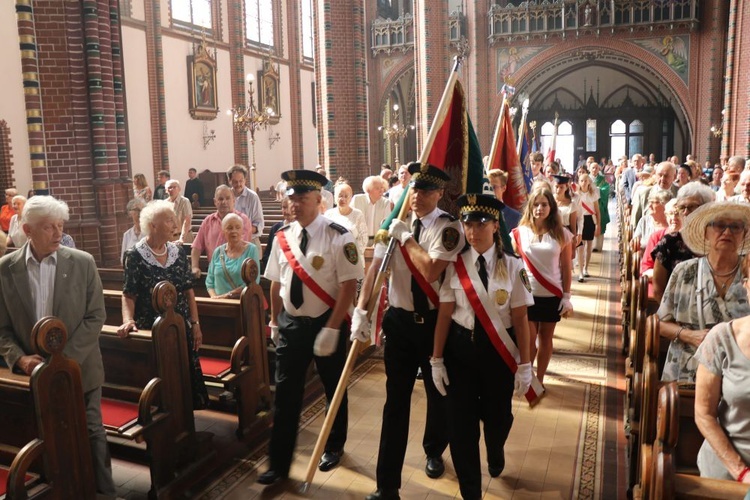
478 382
427 243
313 268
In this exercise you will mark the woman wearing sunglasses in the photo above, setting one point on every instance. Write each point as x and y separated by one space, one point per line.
707 290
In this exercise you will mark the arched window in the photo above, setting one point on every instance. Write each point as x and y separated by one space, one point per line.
564 146
626 139
259 22
192 14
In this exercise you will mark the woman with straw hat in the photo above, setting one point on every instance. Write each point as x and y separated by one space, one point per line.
708 289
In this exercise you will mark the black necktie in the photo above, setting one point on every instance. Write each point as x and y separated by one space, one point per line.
420 299
296 291
482 271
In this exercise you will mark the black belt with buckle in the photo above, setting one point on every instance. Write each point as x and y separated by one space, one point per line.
418 319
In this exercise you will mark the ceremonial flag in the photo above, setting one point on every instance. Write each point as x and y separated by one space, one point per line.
526 150
553 145
503 155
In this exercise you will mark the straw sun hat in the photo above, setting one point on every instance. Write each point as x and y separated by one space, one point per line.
694 229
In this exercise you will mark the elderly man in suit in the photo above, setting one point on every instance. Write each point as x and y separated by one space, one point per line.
43 278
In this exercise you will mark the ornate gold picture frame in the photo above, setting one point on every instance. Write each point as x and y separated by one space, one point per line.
269 91
202 84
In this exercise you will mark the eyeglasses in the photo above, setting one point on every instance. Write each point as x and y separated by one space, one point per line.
686 208
720 227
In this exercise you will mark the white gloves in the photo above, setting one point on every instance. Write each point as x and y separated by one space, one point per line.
566 308
523 379
274 334
379 251
326 342
399 230
360 326
439 375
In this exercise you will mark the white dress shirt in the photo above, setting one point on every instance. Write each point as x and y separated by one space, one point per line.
41 282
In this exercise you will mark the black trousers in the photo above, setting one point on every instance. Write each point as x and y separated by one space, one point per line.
293 355
408 346
481 388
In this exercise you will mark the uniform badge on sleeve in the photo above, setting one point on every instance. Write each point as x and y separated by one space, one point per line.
450 238
525 279
350 251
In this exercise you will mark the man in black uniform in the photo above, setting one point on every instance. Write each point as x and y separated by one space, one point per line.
313 268
428 242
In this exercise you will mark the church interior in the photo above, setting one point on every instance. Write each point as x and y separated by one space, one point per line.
100 91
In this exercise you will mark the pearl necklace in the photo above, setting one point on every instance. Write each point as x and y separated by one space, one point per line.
155 254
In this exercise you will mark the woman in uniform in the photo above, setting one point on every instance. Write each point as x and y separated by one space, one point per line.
466 356
545 247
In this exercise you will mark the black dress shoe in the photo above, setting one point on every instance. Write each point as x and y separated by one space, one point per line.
497 469
270 477
329 460
435 467
384 494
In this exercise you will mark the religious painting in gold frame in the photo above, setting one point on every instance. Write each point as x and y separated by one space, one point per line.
269 95
202 84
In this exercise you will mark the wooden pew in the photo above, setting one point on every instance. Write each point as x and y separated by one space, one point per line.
234 355
43 424
663 478
158 412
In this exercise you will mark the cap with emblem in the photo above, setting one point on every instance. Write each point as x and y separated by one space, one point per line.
303 181
427 176
479 207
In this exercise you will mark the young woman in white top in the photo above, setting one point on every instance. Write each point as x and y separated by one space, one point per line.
545 247
589 195
568 206
466 360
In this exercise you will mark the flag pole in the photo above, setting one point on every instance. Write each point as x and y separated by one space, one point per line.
333 407
521 128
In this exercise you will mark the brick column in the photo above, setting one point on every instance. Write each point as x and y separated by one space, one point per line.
341 88
477 73
432 61
83 143
236 16
708 77
294 55
736 138
155 65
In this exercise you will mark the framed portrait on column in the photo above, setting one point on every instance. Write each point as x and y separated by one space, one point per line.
202 83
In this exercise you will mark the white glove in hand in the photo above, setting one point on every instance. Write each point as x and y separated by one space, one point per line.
326 342
439 375
379 251
399 230
566 308
523 379
274 334
360 326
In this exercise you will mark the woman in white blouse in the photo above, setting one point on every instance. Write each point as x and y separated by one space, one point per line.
348 216
589 196
17 238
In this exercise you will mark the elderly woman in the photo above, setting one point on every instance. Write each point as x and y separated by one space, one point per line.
722 399
372 203
15 232
706 290
728 184
348 216
671 250
684 174
224 278
654 219
7 211
134 234
153 259
674 224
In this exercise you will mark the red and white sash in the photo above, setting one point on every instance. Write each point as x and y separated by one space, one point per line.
305 271
487 314
421 281
590 210
553 289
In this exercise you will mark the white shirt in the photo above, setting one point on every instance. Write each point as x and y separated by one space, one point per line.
394 194
249 204
322 241
442 238
354 222
41 282
15 232
545 254
129 239
375 213
517 294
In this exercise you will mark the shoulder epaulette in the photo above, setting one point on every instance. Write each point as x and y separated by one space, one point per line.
338 227
447 216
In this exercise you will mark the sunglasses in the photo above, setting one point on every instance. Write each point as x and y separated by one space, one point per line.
720 227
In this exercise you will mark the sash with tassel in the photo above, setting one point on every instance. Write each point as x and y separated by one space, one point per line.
488 316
